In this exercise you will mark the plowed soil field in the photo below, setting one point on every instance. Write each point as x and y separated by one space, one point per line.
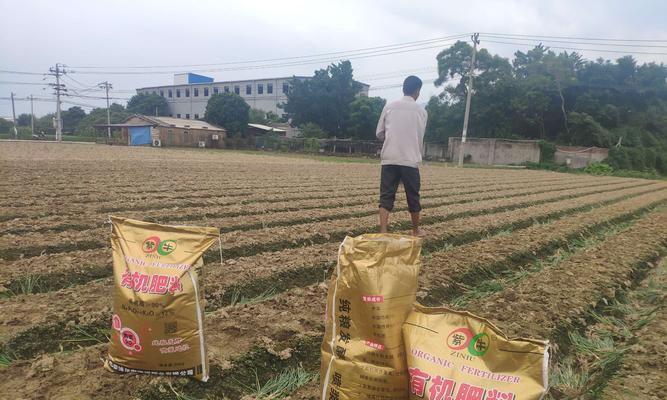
575 259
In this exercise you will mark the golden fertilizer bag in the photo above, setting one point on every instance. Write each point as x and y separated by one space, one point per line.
455 355
158 320
370 295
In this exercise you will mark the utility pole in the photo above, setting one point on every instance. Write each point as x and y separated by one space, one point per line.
16 133
475 41
32 117
106 85
60 89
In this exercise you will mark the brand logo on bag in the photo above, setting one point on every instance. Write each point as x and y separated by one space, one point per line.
463 338
372 299
153 244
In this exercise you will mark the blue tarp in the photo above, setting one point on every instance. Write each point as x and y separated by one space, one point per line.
140 135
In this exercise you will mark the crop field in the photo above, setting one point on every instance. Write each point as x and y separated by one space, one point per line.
575 259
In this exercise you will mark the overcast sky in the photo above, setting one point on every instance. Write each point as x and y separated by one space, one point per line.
118 34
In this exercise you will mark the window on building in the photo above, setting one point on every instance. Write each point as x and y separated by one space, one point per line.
171 115
169 93
178 92
260 88
237 89
154 92
215 90
248 89
285 87
187 116
161 93
205 92
187 92
269 88
196 116
226 89
178 115
196 92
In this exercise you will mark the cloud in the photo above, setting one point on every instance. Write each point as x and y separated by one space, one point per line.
128 33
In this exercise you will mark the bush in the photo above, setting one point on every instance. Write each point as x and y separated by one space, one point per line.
312 130
547 151
598 168
311 145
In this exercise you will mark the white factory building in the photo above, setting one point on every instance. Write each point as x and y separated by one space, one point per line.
188 96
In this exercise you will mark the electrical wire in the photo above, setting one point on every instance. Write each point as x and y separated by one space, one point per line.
23 83
576 38
577 48
253 67
575 42
343 53
4 71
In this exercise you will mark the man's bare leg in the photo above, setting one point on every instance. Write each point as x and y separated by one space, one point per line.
416 231
384 219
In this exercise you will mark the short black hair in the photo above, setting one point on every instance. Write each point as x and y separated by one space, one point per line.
411 84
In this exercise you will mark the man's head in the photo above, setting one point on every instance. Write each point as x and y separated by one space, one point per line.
411 86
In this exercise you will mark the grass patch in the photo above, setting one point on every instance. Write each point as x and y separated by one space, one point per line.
6 359
282 385
33 284
25 285
247 373
483 280
60 336
595 354
237 299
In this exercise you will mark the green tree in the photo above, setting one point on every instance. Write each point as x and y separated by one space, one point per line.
256 116
5 126
312 131
71 118
148 104
229 111
23 120
364 115
559 98
86 127
45 124
325 99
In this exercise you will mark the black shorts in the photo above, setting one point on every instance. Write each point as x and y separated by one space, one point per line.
390 177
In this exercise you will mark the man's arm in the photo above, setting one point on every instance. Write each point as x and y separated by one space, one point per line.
379 132
422 131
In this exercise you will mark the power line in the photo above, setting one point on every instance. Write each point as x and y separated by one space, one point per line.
343 52
80 104
576 42
396 85
578 48
252 67
576 38
97 97
21 72
23 83
83 85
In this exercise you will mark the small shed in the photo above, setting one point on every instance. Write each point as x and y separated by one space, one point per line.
492 151
260 130
579 157
140 130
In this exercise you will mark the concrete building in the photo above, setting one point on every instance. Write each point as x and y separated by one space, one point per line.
579 157
188 96
489 151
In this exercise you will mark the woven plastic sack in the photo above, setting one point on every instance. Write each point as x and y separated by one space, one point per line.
158 320
370 294
457 355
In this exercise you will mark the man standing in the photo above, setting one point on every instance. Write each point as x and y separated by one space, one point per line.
401 127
